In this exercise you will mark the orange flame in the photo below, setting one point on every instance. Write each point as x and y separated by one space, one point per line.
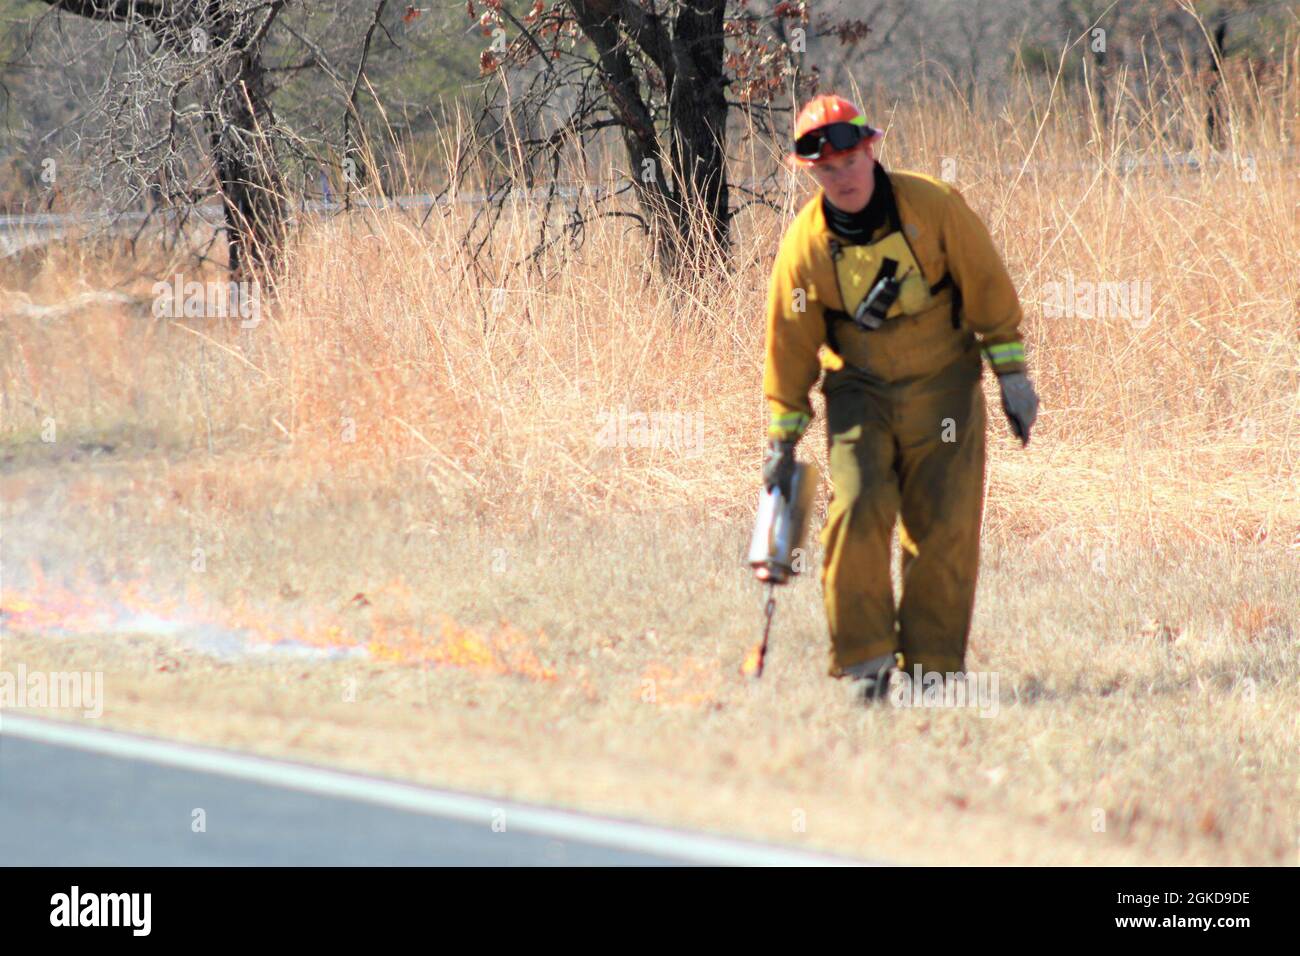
750 666
693 683
46 607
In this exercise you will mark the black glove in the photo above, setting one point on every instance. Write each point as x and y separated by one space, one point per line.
1020 402
778 466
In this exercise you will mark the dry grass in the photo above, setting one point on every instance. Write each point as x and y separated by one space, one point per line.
408 428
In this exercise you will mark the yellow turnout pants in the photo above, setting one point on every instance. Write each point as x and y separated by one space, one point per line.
912 449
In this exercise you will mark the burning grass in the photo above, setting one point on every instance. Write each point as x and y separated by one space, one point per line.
239 627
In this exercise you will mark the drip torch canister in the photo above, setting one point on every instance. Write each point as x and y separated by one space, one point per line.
779 528
773 551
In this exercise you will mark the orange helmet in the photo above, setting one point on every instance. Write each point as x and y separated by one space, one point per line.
827 125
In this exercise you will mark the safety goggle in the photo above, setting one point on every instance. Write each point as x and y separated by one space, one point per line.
838 136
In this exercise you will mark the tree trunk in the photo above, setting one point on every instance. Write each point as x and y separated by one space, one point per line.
236 108
1215 117
683 193
248 175
697 113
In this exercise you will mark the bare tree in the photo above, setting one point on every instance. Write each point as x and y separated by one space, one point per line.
220 99
666 75
214 51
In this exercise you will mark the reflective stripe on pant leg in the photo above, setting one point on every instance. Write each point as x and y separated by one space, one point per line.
942 466
858 592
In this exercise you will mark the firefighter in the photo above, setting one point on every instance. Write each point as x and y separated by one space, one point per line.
891 285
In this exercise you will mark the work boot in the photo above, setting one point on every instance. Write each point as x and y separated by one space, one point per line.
869 681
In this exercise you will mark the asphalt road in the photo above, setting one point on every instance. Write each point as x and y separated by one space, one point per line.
70 796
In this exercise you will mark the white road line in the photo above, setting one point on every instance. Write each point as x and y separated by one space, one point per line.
678 845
